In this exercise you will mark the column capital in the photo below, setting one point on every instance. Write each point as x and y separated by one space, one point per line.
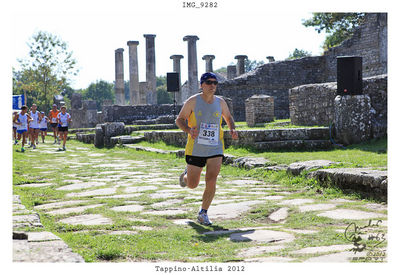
208 57
241 57
176 56
190 38
149 35
132 43
270 58
119 50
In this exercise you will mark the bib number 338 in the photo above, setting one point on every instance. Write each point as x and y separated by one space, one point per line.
208 134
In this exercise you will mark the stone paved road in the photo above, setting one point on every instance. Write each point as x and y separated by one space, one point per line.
130 180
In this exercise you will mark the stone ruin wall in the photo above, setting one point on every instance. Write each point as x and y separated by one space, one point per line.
276 78
129 114
313 104
272 79
368 41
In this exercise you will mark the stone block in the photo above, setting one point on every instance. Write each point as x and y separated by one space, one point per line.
259 109
76 101
99 136
352 119
89 105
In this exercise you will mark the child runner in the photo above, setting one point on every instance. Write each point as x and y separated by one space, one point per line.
34 126
22 119
63 119
43 125
53 122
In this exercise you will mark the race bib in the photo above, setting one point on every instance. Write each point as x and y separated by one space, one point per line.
54 120
208 134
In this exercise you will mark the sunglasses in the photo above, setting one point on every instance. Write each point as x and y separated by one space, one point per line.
209 82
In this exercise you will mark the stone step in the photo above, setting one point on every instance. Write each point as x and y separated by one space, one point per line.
360 179
85 138
127 139
293 145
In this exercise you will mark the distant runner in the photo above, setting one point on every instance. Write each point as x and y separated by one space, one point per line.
34 126
63 120
21 120
15 128
43 125
53 122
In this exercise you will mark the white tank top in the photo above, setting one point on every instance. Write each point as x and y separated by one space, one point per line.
35 120
43 123
63 119
24 122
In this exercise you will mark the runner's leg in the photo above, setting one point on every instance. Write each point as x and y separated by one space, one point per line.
65 138
192 178
212 171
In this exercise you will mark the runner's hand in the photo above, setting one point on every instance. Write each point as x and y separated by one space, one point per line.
234 134
194 132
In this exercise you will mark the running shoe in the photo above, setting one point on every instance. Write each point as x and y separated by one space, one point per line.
16 142
181 181
22 149
55 141
202 218
64 148
34 146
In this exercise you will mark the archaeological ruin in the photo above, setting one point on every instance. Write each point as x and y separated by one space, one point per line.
302 90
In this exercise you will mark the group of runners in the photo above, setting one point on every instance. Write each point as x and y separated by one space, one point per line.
200 117
27 124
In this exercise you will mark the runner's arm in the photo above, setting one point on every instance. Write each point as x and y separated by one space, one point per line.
181 120
15 120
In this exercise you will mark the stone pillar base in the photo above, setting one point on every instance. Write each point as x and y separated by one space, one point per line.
259 109
352 119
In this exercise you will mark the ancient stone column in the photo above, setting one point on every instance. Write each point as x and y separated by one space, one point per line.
240 64
177 69
143 90
151 68
133 73
119 77
193 82
209 59
270 58
231 71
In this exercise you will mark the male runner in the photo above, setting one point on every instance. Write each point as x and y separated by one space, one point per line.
53 122
205 144
34 126
63 120
21 120
43 125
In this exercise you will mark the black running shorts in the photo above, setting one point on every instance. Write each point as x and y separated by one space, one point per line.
199 161
63 129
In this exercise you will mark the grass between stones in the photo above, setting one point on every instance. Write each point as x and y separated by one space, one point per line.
128 238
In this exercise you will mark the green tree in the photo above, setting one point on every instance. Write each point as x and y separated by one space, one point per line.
99 91
250 65
46 71
298 54
338 26
163 96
